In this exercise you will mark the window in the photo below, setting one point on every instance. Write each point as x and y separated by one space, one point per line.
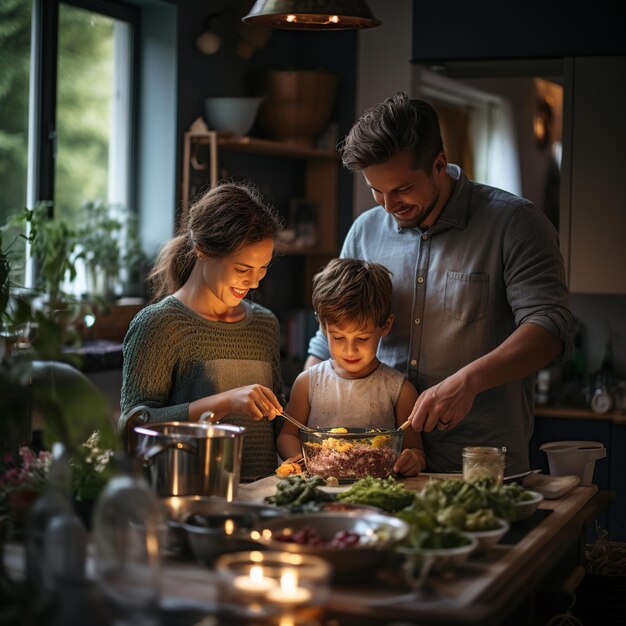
15 52
66 107
92 110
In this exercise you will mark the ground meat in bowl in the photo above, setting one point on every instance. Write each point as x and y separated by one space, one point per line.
358 461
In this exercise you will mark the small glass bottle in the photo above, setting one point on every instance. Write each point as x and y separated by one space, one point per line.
481 462
128 522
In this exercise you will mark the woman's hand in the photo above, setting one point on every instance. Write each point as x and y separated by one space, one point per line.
256 401
410 462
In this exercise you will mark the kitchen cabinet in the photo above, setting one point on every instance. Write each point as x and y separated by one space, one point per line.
564 425
593 194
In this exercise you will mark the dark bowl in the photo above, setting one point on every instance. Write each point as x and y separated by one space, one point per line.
210 537
179 508
196 524
378 533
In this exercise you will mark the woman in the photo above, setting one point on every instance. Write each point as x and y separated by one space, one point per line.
202 346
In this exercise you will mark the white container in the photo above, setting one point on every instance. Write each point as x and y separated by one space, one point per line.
574 458
231 115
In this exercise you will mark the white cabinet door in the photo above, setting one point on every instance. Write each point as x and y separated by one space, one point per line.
593 190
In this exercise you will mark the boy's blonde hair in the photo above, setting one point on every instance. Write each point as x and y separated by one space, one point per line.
352 292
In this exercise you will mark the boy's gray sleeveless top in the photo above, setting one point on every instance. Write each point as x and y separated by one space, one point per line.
364 403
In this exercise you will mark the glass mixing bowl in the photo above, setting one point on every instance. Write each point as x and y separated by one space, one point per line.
349 454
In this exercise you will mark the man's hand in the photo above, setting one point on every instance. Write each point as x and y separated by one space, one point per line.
442 406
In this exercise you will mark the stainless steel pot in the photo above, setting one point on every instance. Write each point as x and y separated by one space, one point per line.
191 458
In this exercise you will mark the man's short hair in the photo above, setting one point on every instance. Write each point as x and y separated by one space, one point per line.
398 124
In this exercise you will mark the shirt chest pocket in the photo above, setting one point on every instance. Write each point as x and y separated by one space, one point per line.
466 296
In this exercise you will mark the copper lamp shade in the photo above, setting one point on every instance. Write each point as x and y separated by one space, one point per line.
311 14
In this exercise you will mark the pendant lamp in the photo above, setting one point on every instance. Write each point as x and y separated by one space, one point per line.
311 14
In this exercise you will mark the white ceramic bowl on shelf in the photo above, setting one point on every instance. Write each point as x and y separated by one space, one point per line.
231 115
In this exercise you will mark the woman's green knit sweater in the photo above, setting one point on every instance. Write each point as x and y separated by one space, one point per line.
173 356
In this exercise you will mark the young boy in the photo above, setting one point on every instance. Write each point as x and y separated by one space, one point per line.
352 300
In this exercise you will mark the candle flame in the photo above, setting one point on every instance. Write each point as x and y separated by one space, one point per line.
256 573
289 581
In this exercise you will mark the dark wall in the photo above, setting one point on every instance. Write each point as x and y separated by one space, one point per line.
492 29
226 74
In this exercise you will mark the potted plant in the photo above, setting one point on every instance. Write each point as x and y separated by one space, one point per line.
35 376
110 246
53 246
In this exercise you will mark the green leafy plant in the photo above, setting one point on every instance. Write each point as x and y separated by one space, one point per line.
35 374
53 245
109 241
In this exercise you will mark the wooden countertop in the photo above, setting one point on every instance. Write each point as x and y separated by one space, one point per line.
483 591
579 413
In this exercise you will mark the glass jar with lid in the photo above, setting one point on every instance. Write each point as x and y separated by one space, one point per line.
481 462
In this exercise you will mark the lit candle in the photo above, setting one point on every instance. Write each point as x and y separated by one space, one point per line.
255 584
289 592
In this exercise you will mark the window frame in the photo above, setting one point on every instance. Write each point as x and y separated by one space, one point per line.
43 93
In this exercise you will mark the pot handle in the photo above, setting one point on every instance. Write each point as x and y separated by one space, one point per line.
147 455
207 417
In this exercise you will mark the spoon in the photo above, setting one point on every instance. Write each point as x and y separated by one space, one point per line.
297 423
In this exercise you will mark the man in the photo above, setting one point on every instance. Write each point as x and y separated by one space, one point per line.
479 286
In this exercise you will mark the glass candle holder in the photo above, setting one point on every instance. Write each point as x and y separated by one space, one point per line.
279 587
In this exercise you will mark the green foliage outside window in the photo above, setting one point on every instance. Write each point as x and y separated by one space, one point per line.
15 18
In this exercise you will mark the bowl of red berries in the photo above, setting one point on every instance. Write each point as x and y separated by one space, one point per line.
353 542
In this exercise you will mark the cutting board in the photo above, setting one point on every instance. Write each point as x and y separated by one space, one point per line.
551 487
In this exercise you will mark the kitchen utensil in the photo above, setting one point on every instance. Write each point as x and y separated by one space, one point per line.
480 462
488 538
551 487
180 511
355 454
191 458
299 425
180 508
405 425
419 562
210 536
577 458
297 105
232 115
525 508
376 531
519 478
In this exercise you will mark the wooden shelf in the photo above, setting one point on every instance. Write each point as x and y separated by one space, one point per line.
579 413
260 146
